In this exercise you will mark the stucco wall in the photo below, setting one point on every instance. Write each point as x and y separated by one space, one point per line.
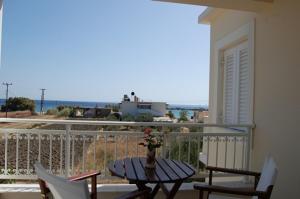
276 93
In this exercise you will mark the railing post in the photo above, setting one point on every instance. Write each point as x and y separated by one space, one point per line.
249 147
249 152
165 144
67 150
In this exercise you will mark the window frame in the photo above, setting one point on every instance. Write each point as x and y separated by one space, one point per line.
243 34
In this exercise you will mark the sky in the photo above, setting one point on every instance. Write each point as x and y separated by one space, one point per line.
99 50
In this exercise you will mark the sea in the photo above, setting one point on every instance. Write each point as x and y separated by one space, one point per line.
50 104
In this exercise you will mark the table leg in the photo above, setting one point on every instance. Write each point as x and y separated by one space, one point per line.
154 191
171 194
142 186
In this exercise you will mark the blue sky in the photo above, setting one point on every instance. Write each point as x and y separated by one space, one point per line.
96 50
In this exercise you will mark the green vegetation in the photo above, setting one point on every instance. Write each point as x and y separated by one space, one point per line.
170 114
183 116
112 117
184 150
19 104
52 111
128 118
65 112
144 117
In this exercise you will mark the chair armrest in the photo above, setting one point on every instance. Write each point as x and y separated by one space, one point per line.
84 176
135 194
228 190
235 171
91 174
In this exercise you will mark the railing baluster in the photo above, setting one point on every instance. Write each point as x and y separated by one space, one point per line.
179 148
83 153
50 154
234 152
73 152
115 139
6 148
105 153
243 151
217 150
17 153
189 149
198 152
39 156
61 154
126 152
28 151
137 145
249 147
67 150
226 143
95 138
170 145
208 140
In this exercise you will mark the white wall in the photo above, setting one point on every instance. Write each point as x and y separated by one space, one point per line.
157 108
276 93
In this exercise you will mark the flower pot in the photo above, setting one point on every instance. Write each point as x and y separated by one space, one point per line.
150 160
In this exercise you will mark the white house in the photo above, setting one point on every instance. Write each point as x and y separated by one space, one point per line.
157 109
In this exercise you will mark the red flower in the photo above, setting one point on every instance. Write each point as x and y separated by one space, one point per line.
147 131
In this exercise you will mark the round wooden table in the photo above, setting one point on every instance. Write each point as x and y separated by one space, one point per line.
166 171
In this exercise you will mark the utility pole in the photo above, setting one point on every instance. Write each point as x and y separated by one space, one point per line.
7 85
42 100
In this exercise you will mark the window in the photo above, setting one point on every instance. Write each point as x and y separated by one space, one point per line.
144 106
236 85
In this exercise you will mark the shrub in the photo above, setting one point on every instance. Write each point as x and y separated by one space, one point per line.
112 117
144 117
128 117
19 104
170 114
183 116
64 112
53 111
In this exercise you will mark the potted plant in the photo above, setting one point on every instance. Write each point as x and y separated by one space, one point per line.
152 142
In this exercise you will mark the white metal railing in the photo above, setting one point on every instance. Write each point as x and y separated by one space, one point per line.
72 150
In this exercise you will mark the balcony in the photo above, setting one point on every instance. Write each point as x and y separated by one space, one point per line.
68 147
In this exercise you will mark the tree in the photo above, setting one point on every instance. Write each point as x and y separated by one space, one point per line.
19 104
183 116
170 114
128 118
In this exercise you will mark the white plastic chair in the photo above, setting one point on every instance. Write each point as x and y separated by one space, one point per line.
62 188
264 181
75 187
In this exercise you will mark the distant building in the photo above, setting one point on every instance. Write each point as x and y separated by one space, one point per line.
200 116
157 109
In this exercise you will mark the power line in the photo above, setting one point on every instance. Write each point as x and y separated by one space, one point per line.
6 99
42 100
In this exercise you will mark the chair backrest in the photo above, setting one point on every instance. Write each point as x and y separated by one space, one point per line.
62 188
268 175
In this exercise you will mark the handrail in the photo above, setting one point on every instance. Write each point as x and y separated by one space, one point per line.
120 123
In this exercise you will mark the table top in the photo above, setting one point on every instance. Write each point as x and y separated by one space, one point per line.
166 171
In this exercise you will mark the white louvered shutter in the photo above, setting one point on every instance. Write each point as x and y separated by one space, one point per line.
229 87
236 102
244 84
